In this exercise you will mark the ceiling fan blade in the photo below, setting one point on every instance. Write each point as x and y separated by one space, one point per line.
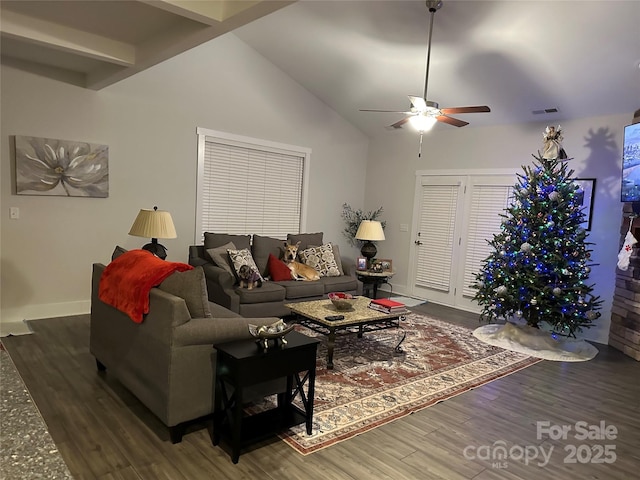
418 102
451 121
478 109
400 123
387 111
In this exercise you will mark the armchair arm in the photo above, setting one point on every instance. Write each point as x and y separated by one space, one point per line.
209 331
219 275
348 266
220 286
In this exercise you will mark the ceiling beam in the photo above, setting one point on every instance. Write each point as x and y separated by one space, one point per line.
59 37
209 12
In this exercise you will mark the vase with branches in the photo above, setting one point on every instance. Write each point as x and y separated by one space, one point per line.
352 219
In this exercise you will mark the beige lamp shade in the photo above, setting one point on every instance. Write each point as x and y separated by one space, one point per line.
370 230
153 224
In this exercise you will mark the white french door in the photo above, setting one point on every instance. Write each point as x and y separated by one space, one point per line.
437 229
455 216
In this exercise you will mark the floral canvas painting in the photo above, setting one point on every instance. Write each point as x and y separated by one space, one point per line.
46 166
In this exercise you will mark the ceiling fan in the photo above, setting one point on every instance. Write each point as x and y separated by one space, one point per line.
423 113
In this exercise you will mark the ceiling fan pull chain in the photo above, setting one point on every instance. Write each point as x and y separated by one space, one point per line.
420 149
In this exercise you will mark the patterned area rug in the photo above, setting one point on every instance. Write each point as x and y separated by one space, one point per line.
372 385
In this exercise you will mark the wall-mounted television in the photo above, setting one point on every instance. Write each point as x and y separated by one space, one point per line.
631 163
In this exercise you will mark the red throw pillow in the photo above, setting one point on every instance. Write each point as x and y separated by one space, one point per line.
278 269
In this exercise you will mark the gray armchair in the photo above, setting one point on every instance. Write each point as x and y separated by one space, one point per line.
168 360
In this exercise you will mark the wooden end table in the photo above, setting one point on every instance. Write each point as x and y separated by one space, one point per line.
374 279
245 364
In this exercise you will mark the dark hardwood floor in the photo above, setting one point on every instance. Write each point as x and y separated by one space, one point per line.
103 432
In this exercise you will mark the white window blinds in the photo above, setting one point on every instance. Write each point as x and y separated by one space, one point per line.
436 233
249 188
487 203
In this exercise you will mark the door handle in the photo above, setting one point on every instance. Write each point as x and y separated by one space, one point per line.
418 242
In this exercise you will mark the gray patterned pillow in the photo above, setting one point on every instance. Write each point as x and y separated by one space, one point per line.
322 259
242 257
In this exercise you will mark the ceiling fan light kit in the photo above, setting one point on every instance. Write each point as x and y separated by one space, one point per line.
423 123
424 114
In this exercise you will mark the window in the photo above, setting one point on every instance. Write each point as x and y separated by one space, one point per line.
248 186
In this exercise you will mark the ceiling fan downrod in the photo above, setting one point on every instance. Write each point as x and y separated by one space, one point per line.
433 6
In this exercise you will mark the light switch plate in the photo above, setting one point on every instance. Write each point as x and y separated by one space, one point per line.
404 227
14 213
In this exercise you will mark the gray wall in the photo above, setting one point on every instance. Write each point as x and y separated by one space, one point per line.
149 122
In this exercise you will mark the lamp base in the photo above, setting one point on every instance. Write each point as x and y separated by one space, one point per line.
369 251
154 247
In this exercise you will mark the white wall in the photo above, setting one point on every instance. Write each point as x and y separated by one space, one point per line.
594 144
149 122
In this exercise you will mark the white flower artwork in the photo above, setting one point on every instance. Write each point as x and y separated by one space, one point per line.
46 166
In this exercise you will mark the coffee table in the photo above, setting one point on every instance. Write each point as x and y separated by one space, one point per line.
359 319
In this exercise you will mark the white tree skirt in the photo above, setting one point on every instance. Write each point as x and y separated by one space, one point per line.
535 342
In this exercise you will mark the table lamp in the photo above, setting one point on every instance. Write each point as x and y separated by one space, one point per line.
154 224
369 231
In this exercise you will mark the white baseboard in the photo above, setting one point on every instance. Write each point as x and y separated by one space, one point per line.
14 328
14 318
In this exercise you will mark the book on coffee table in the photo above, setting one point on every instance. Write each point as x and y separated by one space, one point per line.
387 305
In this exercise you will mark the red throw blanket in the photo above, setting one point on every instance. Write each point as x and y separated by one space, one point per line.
127 280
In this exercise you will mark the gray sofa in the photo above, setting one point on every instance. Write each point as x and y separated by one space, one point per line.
271 297
167 361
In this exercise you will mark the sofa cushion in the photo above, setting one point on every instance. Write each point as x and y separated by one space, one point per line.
262 247
117 252
321 258
302 289
306 239
269 292
192 287
243 257
220 256
277 269
336 257
343 283
213 240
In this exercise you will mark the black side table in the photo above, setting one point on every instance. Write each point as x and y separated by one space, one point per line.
245 364
373 279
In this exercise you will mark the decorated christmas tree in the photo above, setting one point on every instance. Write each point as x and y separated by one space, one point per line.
540 265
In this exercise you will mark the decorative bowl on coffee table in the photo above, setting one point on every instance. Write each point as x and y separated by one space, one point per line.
342 301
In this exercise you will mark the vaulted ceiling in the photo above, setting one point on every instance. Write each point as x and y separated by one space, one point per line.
528 60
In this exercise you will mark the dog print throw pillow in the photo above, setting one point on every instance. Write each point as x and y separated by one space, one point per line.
240 258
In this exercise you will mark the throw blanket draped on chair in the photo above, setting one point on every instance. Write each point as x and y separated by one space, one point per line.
127 280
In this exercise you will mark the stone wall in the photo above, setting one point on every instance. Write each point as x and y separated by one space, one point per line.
624 333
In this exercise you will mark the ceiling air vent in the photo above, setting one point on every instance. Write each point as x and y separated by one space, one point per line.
545 110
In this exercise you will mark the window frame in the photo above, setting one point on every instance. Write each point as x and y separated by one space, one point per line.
205 135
